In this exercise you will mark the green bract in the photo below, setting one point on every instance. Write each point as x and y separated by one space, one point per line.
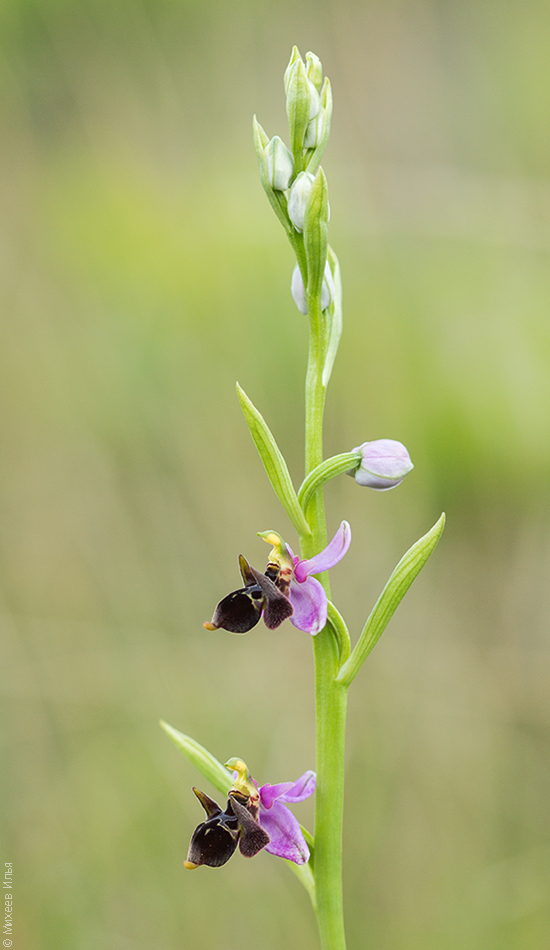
316 238
274 463
407 570
201 758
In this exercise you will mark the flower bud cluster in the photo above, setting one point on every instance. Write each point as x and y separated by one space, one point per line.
296 185
309 108
302 85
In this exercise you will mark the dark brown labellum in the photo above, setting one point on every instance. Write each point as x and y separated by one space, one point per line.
241 609
216 839
277 605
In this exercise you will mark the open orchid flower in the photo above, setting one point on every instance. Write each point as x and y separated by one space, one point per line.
286 838
307 595
285 591
253 819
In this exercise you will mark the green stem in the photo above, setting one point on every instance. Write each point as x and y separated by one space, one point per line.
330 697
330 706
315 405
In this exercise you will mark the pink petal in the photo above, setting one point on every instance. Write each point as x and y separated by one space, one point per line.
287 840
310 605
270 793
296 791
333 553
301 789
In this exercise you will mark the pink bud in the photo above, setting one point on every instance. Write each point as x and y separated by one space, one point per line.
384 464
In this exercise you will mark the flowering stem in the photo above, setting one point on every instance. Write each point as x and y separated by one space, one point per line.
330 705
330 697
315 405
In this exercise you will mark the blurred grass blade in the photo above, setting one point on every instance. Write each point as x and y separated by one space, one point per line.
274 463
216 773
336 318
404 574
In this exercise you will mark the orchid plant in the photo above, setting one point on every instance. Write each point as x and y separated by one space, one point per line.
293 587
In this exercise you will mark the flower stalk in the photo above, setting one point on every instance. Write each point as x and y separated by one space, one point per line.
297 588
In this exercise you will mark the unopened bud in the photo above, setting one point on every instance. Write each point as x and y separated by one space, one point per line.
318 130
298 86
302 100
313 132
298 292
314 70
314 101
280 164
297 199
294 57
384 464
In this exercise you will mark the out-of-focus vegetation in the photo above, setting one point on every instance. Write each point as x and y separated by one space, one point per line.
142 273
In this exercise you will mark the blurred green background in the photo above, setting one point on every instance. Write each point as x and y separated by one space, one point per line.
142 273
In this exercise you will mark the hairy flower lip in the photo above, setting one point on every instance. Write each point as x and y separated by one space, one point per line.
241 610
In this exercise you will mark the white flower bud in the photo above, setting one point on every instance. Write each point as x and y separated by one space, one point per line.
313 131
280 164
314 70
298 83
297 199
294 57
298 292
318 129
314 100
384 464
